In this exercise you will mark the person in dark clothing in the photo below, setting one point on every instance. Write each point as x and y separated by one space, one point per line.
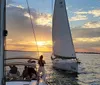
13 73
41 62
25 72
31 68
13 69
31 71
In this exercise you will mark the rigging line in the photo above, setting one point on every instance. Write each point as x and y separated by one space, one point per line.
32 25
52 11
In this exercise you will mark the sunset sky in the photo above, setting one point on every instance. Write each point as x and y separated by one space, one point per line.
84 19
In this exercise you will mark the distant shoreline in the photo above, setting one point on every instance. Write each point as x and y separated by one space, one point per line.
51 51
26 51
88 52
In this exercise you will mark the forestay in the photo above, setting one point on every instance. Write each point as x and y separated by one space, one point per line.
61 35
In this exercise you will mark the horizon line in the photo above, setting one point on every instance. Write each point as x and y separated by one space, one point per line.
50 51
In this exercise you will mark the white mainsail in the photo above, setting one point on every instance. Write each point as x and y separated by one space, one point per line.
61 35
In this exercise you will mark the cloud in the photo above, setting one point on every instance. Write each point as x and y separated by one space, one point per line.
80 12
29 46
40 19
95 12
20 19
86 39
21 37
88 44
20 30
80 32
78 18
12 5
94 24
44 19
28 15
82 15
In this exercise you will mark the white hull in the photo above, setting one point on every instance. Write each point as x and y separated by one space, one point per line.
33 82
69 65
18 83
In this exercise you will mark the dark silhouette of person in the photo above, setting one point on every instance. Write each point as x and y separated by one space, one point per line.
41 63
13 72
13 69
25 72
31 68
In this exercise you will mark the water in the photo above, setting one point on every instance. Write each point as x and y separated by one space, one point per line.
89 69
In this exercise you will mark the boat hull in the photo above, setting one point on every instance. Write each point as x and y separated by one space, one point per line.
69 65
17 83
33 82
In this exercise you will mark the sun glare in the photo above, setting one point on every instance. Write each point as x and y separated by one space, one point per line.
40 43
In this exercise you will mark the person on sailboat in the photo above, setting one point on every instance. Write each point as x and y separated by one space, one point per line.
13 73
41 63
25 72
32 69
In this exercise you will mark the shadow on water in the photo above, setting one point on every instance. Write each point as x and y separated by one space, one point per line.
60 77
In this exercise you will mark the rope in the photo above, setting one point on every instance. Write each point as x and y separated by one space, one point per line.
32 26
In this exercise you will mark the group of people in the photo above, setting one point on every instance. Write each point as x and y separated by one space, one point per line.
29 71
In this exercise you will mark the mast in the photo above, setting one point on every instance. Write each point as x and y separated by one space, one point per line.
61 34
2 28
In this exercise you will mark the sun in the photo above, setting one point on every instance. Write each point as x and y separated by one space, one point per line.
40 43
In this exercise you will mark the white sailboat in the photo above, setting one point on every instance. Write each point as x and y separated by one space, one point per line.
64 56
3 76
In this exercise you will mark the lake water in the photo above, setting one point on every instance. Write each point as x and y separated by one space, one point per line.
89 69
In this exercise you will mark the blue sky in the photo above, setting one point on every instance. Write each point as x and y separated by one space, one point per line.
84 19
46 6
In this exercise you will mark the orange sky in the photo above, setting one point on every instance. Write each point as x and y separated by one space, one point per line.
47 45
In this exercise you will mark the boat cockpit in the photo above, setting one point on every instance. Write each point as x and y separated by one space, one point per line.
23 72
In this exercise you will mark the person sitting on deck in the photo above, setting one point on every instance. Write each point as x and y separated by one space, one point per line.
31 69
25 73
13 73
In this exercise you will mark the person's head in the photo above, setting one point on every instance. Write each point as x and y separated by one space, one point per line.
41 57
25 67
14 66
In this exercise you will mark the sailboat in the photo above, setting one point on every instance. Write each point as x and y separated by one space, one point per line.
3 64
63 56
